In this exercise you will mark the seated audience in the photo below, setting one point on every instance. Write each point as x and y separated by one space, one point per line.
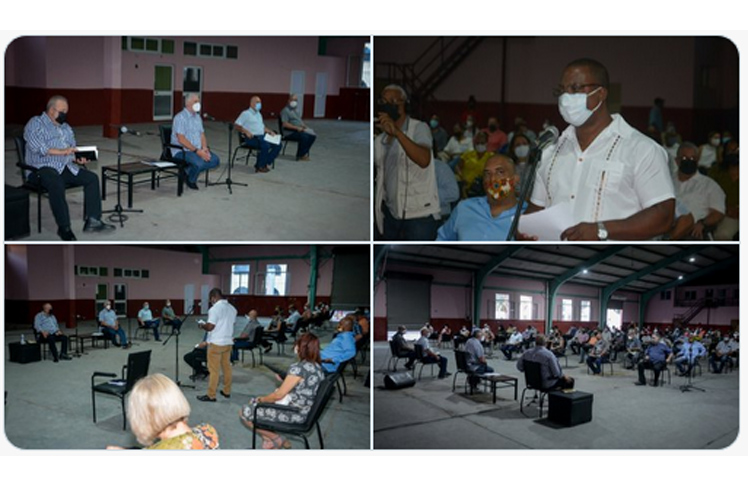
445 335
710 153
489 217
476 360
726 176
470 168
403 348
431 356
458 144
439 134
188 133
48 330
110 326
298 390
521 128
197 359
723 351
146 320
700 201
447 188
342 348
295 129
597 354
519 151
550 368
169 317
656 357
557 344
633 348
251 125
247 336
689 354
580 339
513 344
158 413
496 139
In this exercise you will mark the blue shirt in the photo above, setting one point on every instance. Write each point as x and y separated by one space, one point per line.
145 315
191 126
342 348
550 368
108 317
472 220
658 352
446 185
692 350
42 134
45 323
251 121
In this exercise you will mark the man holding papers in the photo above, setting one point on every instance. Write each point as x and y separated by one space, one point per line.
50 148
615 180
252 126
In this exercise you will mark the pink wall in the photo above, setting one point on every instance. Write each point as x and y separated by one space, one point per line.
18 70
662 311
16 272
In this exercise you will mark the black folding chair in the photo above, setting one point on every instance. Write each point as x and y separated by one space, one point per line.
136 368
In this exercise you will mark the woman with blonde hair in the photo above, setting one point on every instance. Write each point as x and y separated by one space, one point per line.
158 412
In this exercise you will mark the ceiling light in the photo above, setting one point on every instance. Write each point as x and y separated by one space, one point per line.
691 259
680 277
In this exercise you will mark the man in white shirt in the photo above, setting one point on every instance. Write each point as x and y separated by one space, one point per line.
220 328
251 124
146 320
615 179
701 201
431 356
512 344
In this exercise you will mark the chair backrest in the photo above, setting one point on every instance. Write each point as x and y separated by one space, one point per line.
20 149
533 376
461 360
324 393
137 367
419 351
164 133
257 339
393 348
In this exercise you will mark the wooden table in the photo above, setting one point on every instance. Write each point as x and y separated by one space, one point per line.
495 378
130 171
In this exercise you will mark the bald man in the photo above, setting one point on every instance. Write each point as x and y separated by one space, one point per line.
47 330
188 132
251 124
489 217
295 129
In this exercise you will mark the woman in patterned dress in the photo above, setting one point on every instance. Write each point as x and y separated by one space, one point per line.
299 389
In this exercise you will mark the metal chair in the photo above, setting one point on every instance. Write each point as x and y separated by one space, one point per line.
136 368
419 359
533 382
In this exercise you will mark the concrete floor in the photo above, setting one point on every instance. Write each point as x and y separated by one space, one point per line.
431 416
49 404
326 198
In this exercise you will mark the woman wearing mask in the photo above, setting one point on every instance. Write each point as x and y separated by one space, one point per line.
710 154
458 144
519 151
299 389
469 171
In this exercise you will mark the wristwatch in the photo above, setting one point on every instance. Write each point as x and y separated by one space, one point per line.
602 232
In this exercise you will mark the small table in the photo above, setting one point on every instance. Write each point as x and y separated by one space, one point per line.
506 380
130 171
93 337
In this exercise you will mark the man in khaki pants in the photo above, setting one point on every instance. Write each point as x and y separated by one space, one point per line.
220 329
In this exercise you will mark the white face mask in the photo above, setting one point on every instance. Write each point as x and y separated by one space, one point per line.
293 104
522 151
716 141
480 148
573 107
196 107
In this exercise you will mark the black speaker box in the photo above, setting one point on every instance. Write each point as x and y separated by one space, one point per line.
16 213
399 380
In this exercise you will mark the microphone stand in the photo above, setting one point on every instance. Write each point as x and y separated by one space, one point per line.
228 182
527 186
688 386
117 215
176 332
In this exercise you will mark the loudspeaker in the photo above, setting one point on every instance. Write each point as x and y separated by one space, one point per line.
16 213
399 380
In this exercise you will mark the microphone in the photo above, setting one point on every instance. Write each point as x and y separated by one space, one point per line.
128 131
548 137
208 117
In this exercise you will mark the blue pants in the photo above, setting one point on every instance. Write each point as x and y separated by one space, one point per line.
197 164
238 343
267 151
152 324
117 333
305 141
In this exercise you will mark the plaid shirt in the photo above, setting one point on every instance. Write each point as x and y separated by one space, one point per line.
191 126
42 134
45 323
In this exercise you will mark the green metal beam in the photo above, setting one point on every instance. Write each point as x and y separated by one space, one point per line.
686 278
314 263
205 251
487 269
557 282
608 291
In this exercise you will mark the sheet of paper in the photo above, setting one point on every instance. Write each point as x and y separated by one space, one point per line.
310 131
273 139
159 164
549 223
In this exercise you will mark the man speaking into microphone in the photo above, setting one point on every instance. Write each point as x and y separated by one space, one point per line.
614 178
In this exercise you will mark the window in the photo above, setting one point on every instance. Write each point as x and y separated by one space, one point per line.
240 279
232 52
585 311
502 307
90 271
366 67
567 306
150 45
276 280
690 295
190 48
721 293
103 271
213 50
167 46
525 308
665 296
129 273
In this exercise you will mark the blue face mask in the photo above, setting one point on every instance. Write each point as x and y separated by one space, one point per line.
258 107
434 123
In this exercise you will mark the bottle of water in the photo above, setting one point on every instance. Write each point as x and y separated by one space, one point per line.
23 339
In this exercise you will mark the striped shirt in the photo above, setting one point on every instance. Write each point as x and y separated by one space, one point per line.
46 323
191 126
42 134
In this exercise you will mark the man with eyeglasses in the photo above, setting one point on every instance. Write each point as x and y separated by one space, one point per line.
615 179
700 200
406 196
489 217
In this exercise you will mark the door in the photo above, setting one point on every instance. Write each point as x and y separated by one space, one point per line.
163 93
192 81
189 298
320 95
204 300
102 294
120 300
297 87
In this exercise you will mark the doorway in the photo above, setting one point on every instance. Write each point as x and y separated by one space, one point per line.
163 93
298 79
320 95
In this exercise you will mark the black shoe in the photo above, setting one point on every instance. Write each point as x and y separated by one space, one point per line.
65 357
268 349
94 225
127 346
205 397
66 234
445 375
192 185
55 360
640 383
224 394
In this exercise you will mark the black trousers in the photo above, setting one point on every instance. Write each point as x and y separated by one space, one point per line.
657 366
56 183
196 358
51 340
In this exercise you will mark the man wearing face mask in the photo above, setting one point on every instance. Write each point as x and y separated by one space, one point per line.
220 332
48 330
614 178
438 133
187 131
496 138
251 124
701 202
50 148
406 198
146 320
295 129
488 217
110 323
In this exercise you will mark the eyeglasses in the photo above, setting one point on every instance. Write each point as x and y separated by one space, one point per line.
573 88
